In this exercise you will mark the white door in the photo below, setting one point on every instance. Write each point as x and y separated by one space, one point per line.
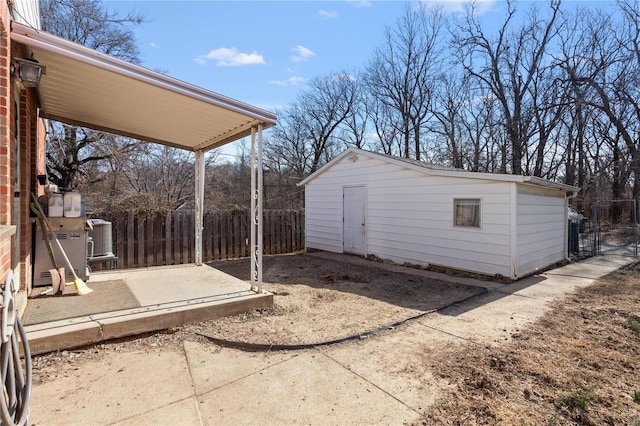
353 220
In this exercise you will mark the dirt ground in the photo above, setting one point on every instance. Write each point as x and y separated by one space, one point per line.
316 300
578 364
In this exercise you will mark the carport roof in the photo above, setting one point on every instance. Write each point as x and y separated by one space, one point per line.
90 89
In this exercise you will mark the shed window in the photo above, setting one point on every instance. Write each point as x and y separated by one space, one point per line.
466 212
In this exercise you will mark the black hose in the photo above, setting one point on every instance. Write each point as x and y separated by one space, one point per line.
263 347
16 398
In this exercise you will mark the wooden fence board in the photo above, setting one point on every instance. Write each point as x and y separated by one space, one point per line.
129 261
170 239
168 244
140 240
215 226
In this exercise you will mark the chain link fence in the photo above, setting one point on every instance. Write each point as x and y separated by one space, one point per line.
608 228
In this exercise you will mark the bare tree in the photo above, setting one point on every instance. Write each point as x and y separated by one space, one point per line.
402 71
480 127
88 23
354 130
310 127
508 66
576 59
385 122
604 72
549 102
164 171
448 109
326 105
286 150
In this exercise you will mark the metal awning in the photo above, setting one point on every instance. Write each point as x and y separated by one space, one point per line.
90 89
87 88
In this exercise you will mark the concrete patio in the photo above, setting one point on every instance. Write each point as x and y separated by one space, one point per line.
163 297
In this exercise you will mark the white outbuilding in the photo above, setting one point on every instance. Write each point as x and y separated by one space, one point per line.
405 211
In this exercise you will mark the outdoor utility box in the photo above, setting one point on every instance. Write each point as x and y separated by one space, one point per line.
100 239
72 234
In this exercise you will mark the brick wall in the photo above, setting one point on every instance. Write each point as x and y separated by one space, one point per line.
17 248
5 135
27 121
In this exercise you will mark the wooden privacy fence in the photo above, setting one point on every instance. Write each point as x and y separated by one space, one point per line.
170 239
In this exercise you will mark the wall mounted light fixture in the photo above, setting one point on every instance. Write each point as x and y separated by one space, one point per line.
28 70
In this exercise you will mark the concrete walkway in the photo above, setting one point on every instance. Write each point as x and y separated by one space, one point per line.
352 383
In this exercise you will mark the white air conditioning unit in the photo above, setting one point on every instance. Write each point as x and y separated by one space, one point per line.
102 239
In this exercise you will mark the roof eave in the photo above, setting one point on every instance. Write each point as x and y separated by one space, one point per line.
32 37
86 88
321 170
445 173
548 184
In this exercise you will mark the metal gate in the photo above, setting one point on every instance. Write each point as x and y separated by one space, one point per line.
582 233
616 227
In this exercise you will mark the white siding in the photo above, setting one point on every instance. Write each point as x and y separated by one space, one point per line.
410 216
27 12
541 229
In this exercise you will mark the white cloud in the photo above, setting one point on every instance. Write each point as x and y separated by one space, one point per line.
294 81
291 81
153 44
301 53
482 6
329 14
360 3
230 57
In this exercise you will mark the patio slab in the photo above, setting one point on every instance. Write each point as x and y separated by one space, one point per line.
167 296
152 286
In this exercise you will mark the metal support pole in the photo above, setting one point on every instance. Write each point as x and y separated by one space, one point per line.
200 170
254 200
260 205
256 209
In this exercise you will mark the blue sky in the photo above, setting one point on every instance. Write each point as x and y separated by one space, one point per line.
261 52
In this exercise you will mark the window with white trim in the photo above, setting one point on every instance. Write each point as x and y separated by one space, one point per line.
466 212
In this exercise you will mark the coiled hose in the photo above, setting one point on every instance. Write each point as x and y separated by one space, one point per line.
16 377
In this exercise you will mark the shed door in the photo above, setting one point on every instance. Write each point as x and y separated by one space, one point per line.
353 219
